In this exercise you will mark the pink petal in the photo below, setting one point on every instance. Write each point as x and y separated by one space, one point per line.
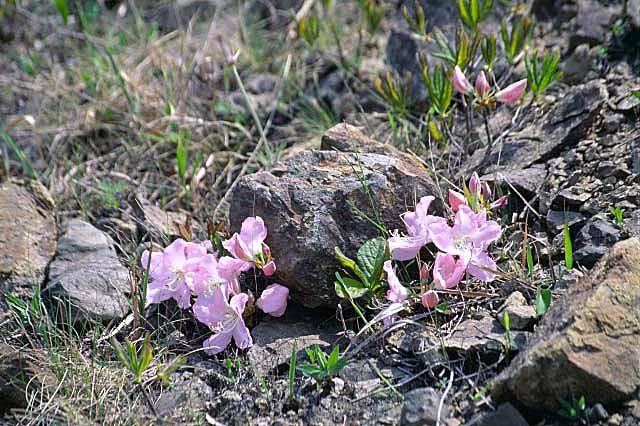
447 272
460 82
480 261
273 300
442 236
482 85
217 343
405 248
456 200
430 299
237 248
424 271
269 269
182 295
474 183
241 336
157 292
513 92
193 250
397 292
252 234
486 234
174 255
485 190
500 202
238 303
210 310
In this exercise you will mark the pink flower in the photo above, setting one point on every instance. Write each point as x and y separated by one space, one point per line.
225 317
273 300
513 92
424 272
418 224
249 245
209 273
460 82
430 299
447 272
397 293
500 202
474 183
469 238
170 273
456 200
269 269
482 85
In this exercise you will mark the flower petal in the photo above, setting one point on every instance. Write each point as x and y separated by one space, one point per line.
456 200
460 82
252 234
405 248
217 343
430 299
477 265
241 336
273 300
513 92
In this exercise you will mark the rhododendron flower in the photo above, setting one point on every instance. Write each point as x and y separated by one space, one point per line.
170 272
447 271
482 85
500 202
430 299
210 273
396 294
225 317
249 245
273 300
424 272
460 82
513 92
418 224
456 200
469 239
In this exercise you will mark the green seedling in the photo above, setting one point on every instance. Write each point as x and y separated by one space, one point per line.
543 300
574 410
541 75
568 247
617 213
473 12
135 361
440 88
515 40
320 367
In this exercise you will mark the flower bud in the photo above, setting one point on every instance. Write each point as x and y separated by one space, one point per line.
474 183
424 272
513 92
430 299
456 200
482 85
500 202
460 82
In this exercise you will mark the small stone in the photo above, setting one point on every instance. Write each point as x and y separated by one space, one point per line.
634 408
615 420
521 315
605 169
420 408
87 274
579 64
505 415
274 339
594 240
484 336
599 412
363 378
556 219
611 122
566 198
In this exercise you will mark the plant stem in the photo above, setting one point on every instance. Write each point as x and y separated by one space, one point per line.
487 153
252 110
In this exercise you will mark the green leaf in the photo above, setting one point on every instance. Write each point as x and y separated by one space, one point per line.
543 300
346 287
333 357
346 262
62 6
529 261
568 248
370 258
24 162
147 354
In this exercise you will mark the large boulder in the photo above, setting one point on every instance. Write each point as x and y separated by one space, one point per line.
27 236
313 202
87 274
588 343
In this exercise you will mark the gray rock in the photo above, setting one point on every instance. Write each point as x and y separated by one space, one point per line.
402 55
588 341
505 415
579 64
87 274
594 240
545 136
187 396
633 12
307 203
569 197
484 336
420 408
27 236
362 375
632 224
527 181
274 339
419 343
599 412
521 315
594 21
556 219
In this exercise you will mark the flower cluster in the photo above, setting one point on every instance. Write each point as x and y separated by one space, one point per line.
483 92
462 247
184 270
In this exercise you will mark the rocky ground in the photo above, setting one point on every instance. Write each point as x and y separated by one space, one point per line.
94 113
